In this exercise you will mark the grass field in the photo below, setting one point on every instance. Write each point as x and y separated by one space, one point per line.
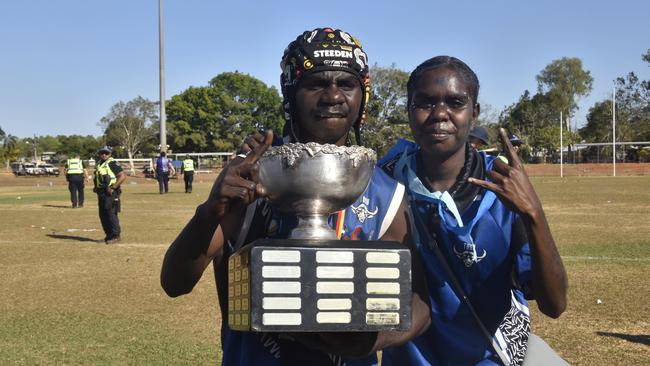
69 299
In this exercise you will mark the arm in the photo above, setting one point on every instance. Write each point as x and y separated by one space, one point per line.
200 241
121 177
214 221
172 170
511 184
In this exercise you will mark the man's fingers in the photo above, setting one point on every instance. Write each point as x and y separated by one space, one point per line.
259 150
242 193
251 142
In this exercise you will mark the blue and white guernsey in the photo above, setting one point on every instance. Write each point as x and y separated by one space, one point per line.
486 247
372 213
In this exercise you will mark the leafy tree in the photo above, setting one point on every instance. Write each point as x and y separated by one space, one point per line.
8 148
599 123
632 113
536 117
633 104
129 125
386 116
49 143
489 116
85 146
599 127
219 116
563 81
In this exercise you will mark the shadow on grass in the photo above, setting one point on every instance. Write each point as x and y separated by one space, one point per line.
74 237
57 206
634 338
154 193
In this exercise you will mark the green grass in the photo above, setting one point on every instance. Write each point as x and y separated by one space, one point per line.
70 299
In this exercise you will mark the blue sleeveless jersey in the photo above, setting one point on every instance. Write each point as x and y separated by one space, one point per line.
162 164
484 260
372 212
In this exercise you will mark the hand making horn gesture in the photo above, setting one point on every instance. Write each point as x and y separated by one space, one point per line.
510 182
238 184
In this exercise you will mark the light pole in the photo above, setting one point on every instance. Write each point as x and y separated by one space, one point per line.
614 131
161 69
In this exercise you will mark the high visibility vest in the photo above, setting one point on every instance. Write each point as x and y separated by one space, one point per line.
102 170
188 165
74 166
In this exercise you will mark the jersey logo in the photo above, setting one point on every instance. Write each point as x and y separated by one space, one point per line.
468 255
362 211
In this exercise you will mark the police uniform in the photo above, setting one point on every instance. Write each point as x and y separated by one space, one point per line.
486 247
109 204
74 174
188 174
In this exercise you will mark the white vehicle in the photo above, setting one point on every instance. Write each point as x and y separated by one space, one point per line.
32 169
49 169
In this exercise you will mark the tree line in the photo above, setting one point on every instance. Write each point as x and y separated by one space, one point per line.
217 116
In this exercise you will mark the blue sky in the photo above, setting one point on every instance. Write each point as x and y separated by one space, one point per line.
64 63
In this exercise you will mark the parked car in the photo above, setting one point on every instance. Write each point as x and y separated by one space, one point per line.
18 169
50 169
27 169
32 169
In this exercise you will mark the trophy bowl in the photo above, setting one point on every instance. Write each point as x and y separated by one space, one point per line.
313 181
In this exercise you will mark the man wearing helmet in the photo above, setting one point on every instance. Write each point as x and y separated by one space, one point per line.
325 94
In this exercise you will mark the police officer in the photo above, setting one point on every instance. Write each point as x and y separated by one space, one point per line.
76 174
108 180
188 173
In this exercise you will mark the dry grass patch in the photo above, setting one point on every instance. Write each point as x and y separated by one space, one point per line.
70 299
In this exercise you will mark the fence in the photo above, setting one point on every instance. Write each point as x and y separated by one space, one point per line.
588 169
203 163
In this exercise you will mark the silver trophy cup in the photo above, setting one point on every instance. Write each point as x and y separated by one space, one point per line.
311 281
313 181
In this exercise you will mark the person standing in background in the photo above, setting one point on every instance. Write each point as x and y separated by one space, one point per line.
188 173
163 168
76 174
516 143
478 138
108 180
